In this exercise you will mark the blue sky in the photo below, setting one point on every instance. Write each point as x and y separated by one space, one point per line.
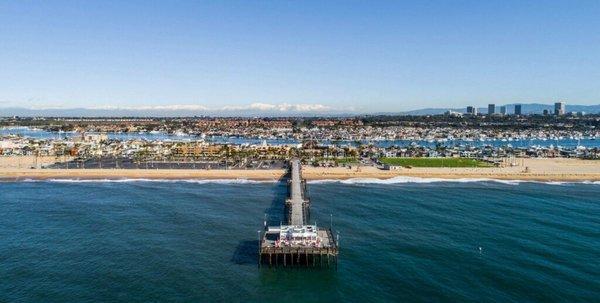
351 55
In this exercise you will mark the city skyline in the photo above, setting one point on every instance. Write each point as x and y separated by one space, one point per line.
335 56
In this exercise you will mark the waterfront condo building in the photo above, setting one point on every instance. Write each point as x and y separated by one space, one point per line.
518 109
559 108
491 109
472 110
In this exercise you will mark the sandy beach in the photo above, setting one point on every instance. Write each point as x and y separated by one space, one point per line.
532 169
12 168
20 174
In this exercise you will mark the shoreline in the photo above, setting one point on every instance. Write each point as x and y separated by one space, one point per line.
582 178
546 170
116 174
270 175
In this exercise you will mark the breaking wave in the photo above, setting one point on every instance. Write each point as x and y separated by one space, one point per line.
131 180
394 180
402 179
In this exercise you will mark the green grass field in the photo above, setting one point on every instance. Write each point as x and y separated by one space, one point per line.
347 160
435 162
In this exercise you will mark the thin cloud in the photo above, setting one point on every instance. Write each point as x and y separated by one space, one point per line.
282 107
155 107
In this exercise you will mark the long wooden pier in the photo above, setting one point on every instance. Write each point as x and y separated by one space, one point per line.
297 205
298 243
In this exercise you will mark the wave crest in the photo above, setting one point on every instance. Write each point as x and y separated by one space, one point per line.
394 180
403 179
131 180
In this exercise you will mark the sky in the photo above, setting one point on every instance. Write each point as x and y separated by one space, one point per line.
362 56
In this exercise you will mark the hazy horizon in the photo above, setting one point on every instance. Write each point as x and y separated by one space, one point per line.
263 110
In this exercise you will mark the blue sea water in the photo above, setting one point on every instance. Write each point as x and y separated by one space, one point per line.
196 241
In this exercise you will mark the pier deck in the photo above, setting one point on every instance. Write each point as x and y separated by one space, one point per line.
296 203
298 243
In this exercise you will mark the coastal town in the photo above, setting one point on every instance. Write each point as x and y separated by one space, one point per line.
299 151
267 143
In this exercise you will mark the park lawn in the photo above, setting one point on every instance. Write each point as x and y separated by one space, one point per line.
346 160
435 162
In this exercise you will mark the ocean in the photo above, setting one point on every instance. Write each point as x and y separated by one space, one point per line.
401 240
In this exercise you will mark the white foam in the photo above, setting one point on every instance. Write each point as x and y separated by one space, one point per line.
591 182
394 180
195 181
404 179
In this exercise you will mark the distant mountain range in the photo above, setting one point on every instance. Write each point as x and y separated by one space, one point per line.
531 108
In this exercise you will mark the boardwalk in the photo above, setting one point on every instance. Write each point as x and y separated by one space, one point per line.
297 205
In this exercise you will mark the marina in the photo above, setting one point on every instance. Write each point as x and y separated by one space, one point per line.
298 243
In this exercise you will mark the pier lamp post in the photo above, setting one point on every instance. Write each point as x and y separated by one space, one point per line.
259 245
265 222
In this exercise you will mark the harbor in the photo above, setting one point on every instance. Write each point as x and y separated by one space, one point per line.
297 242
